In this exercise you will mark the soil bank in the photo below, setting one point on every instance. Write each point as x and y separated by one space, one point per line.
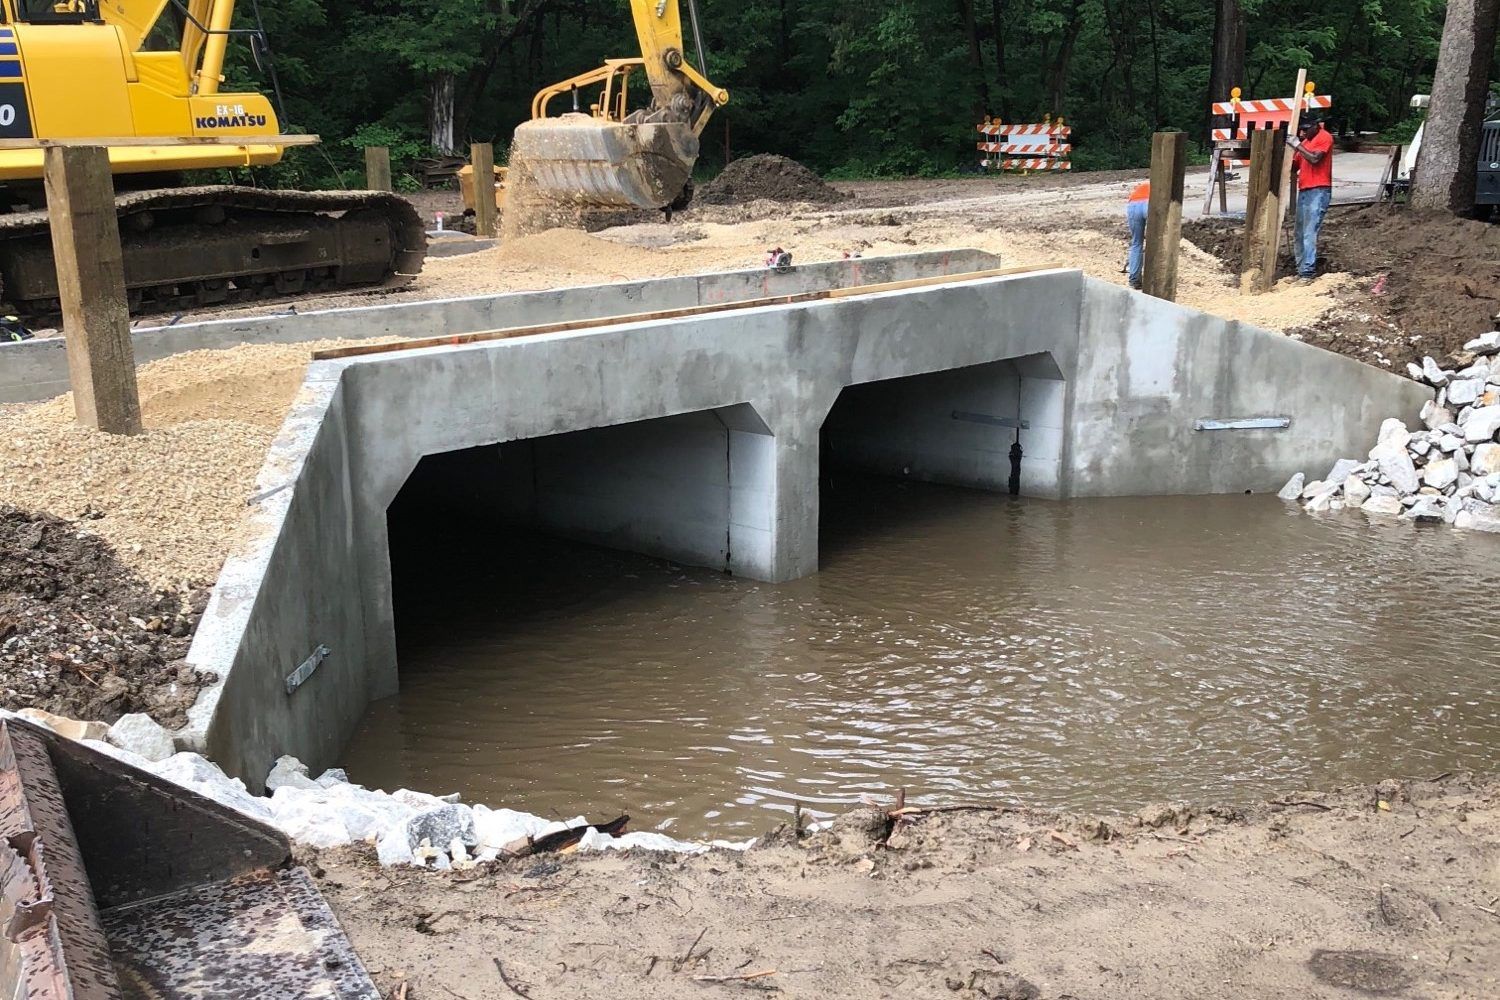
1374 890
1425 282
83 636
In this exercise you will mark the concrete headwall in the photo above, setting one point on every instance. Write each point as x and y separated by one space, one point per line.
38 369
698 438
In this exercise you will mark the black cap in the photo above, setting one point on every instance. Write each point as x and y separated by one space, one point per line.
1309 121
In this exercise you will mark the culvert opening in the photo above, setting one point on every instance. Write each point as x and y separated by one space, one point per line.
693 488
995 427
545 591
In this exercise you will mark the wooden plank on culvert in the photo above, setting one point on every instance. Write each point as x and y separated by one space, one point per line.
91 288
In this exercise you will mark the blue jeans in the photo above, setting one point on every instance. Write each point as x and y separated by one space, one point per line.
1312 205
1135 218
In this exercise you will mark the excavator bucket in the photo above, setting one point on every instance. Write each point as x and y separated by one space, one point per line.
116 884
586 162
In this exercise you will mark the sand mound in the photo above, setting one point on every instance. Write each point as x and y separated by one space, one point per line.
769 177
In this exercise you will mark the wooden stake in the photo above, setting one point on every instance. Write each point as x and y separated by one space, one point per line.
1284 186
1262 211
482 158
1164 214
91 288
377 168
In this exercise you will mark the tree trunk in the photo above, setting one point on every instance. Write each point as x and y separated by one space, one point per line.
1447 165
1057 70
1002 85
976 59
440 112
1227 65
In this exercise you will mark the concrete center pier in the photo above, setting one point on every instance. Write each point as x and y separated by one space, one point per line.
699 439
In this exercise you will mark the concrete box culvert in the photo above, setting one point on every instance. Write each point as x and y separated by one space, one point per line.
1113 385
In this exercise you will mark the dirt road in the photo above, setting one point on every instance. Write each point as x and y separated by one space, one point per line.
1382 890
1068 220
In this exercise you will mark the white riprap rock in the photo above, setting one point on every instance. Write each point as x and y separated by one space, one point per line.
1485 343
1434 375
1392 431
393 848
1356 491
203 776
1485 460
1427 508
289 772
1382 504
1440 473
1293 488
1396 465
1482 424
440 825
1435 416
1463 391
140 734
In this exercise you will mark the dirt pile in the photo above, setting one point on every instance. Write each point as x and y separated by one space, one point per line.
1428 282
83 636
768 177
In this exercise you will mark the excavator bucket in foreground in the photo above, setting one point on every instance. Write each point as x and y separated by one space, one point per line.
116 884
586 162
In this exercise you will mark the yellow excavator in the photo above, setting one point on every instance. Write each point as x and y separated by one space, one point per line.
129 71
611 157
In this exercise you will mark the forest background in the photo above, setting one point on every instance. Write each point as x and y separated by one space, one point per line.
852 88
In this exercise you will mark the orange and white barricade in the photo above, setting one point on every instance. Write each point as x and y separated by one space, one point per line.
1232 145
1033 146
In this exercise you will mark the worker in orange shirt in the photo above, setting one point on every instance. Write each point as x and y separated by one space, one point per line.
1135 218
1313 152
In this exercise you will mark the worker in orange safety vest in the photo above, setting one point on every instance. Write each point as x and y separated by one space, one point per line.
1135 219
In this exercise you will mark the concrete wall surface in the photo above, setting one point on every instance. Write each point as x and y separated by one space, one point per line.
38 369
699 438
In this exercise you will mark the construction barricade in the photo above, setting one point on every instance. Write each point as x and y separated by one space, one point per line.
1033 146
1231 145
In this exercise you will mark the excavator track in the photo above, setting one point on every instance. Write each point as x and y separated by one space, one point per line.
192 247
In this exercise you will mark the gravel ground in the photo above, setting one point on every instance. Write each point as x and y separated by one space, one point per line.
170 500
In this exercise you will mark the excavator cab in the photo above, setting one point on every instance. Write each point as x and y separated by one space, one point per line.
610 156
57 11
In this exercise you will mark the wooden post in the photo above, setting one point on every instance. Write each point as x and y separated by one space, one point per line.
1164 214
482 158
377 168
1285 176
1262 211
91 288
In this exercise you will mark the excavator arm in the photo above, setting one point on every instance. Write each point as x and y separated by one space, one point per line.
612 157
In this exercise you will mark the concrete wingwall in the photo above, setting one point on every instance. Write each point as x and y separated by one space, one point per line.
38 369
1152 370
698 439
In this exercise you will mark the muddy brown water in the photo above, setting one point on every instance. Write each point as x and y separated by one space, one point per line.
1095 654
